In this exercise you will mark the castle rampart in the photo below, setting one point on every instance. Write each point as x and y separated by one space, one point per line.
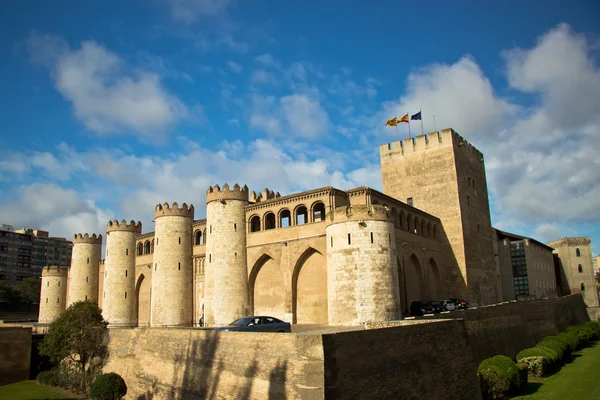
226 280
362 273
172 275
53 295
118 296
83 275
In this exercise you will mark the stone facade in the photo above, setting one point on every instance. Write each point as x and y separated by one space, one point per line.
576 268
83 274
118 295
53 296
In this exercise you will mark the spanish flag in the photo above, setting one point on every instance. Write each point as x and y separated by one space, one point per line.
392 122
404 119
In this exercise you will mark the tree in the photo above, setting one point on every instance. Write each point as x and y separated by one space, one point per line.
9 294
80 335
29 290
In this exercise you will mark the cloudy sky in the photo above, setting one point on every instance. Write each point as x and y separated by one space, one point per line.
110 107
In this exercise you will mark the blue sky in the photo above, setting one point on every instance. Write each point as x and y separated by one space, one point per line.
112 107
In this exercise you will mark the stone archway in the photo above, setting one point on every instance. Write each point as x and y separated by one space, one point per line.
143 293
415 289
267 290
433 281
309 288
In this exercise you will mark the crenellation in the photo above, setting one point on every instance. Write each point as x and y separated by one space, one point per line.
86 238
215 193
123 225
165 210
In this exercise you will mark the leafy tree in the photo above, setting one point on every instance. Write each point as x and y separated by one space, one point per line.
80 335
29 290
10 294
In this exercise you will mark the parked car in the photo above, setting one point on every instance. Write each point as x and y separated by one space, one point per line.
418 308
438 306
257 324
461 304
449 305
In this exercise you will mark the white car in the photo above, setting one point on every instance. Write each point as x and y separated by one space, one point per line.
448 305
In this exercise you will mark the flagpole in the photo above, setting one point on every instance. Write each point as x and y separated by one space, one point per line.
421 121
397 134
409 135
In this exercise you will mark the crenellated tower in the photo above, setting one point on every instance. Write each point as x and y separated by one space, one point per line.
83 275
362 274
226 279
118 297
172 274
53 295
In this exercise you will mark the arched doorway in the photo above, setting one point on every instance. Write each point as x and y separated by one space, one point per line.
142 291
267 288
309 288
415 290
433 280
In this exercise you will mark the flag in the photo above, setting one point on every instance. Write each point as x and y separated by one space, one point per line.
404 119
392 122
417 116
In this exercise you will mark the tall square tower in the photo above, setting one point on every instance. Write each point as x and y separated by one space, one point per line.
444 175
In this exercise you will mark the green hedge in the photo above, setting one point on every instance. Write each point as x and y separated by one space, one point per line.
47 378
586 334
571 339
594 327
498 377
535 365
557 345
108 387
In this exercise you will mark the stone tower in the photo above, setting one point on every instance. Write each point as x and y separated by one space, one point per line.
362 278
226 268
172 275
53 296
118 298
83 275
444 175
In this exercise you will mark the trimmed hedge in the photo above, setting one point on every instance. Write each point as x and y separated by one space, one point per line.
108 387
47 378
560 347
535 366
594 327
586 334
498 377
570 339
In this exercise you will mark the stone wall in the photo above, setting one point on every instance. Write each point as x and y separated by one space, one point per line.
163 363
15 354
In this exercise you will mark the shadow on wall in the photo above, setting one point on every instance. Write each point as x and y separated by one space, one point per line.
198 373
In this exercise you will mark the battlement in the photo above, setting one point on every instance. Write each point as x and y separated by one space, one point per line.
571 241
132 226
265 195
432 140
101 262
86 238
54 270
164 210
362 212
216 193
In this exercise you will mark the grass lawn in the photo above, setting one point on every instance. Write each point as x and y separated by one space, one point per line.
29 390
578 380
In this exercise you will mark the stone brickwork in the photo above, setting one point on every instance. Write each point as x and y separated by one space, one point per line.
119 297
53 296
83 274
362 278
172 275
15 353
226 283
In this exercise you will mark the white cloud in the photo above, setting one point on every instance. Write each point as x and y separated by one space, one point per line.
234 67
104 97
262 77
547 232
188 11
271 125
305 116
268 60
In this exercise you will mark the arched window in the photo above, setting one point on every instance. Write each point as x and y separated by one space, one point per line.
435 231
318 213
577 252
255 224
580 268
152 246
147 247
428 229
416 225
409 223
198 238
140 249
401 219
582 287
301 215
269 221
285 218
423 228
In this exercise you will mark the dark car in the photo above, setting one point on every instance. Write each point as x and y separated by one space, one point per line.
438 306
257 324
461 304
418 308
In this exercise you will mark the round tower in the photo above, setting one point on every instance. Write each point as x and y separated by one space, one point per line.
53 296
118 298
172 275
362 275
226 269
83 275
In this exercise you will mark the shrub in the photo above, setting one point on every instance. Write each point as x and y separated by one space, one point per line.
549 356
571 339
523 369
108 387
498 376
585 334
594 327
44 376
556 345
536 366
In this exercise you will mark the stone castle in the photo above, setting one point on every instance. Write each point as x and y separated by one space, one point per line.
323 256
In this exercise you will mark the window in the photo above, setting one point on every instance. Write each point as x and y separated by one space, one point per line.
86 279
332 241
469 200
235 227
255 224
301 215
319 212
197 238
349 239
577 252
179 239
371 237
88 260
582 287
126 252
147 248
179 266
209 258
125 294
409 201
580 268
125 273
155 266
140 249
285 218
269 221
